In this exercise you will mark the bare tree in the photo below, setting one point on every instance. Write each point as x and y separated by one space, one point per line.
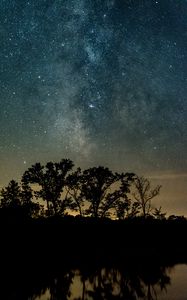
143 194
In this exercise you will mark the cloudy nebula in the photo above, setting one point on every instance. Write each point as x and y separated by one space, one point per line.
100 82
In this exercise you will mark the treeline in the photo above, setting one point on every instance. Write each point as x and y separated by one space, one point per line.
56 189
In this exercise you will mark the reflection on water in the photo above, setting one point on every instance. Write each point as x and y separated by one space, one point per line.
178 287
61 277
145 282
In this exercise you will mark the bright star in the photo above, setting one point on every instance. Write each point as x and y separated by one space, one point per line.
91 105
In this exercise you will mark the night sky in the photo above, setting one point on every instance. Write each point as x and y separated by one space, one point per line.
100 82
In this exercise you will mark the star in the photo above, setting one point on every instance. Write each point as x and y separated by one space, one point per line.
99 82
91 105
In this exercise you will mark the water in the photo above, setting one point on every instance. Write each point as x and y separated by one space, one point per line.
177 290
145 282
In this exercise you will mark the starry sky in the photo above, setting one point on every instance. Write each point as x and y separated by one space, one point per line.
100 82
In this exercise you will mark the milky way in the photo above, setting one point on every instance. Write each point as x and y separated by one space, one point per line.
101 82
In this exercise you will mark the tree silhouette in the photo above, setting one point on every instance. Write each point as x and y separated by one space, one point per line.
31 208
17 197
143 194
126 208
101 188
158 214
73 188
51 180
11 195
96 192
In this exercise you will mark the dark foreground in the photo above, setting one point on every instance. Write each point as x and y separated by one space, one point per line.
83 237
113 260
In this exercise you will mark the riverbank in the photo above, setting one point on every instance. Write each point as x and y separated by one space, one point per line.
77 237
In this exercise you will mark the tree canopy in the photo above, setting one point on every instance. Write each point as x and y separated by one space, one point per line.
51 179
95 192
